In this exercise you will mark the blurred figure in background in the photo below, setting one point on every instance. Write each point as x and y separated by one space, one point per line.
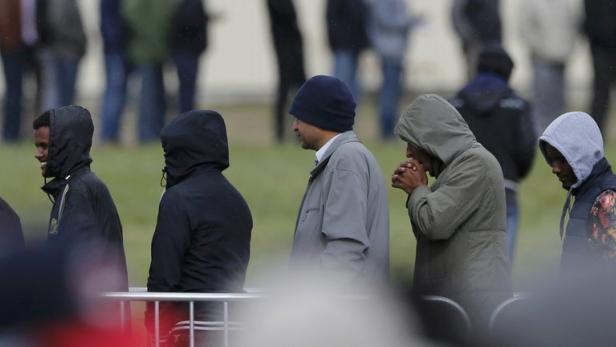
459 221
189 39
83 211
573 147
149 28
289 49
18 35
477 23
11 235
63 42
600 28
202 239
389 23
117 68
548 28
502 122
346 32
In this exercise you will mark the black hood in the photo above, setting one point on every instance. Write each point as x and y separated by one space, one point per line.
70 140
193 140
483 93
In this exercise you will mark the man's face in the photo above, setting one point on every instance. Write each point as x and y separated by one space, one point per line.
41 142
420 155
560 166
309 136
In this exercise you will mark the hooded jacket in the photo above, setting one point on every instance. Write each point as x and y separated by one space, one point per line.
578 138
459 221
83 211
501 121
11 235
202 237
342 226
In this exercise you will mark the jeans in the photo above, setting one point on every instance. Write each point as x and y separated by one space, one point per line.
66 78
548 92
152 104
345 68
13 69
114 99
187 66
512 221
391 89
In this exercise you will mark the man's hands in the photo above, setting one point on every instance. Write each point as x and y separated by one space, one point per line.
409 175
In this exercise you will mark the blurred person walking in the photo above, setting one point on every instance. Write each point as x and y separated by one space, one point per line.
114 34
63 44
573 148
548 28
288 45
389 23
202 239
342 225
459 221
477 23
149 28
347 36
189 39
600 28
502 122
83 211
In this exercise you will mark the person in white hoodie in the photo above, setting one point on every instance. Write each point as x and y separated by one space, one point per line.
548 28
573 147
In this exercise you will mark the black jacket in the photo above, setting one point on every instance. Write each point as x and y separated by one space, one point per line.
478 20
83 212
11 236
287 41
202 237
599 24
189 26
346 24
501 122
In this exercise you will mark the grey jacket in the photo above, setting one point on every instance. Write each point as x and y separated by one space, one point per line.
459 221
343 223
389 23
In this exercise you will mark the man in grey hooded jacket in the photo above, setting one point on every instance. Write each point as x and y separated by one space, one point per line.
343 224
458 221
573 147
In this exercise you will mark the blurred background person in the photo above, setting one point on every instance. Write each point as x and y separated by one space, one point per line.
149 28
11 235
189 39
502 122
548 28
63 41
347 37
388 25
117 68
288 45
476 23
600 28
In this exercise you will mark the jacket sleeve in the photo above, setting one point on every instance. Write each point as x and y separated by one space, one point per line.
438 214
78 222
527 142
170 241
344 223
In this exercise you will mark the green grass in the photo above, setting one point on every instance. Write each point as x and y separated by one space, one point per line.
272 178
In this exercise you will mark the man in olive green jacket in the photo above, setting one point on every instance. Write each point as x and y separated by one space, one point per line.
459 221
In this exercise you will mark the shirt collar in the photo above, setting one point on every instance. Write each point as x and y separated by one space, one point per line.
321 152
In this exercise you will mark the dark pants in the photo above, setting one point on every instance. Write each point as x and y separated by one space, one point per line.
187 66
12 64
117 70
604 66
152 104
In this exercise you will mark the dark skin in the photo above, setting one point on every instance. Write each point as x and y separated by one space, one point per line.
560 166
41 143
412 173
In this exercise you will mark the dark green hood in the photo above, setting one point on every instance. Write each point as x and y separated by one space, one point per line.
434 125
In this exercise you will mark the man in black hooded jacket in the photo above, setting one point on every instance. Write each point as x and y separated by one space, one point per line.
83 212
202 237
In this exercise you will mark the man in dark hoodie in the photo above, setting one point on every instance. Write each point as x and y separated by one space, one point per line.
501 121
83 212
202 237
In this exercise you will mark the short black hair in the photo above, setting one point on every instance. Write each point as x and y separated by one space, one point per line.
42 121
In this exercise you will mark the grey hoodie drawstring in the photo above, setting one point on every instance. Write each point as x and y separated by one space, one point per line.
564 213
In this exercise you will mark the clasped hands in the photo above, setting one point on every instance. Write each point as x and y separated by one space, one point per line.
409 175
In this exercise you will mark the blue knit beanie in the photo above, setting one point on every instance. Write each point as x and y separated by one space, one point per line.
325 102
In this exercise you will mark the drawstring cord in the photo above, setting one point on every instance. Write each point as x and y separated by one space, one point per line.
566 210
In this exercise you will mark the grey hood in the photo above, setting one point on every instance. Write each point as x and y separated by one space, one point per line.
578 138
434 125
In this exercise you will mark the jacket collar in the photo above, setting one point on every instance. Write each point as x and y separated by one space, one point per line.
345 137
600 168
54 186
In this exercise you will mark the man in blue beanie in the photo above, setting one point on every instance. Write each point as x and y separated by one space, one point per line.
343 224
